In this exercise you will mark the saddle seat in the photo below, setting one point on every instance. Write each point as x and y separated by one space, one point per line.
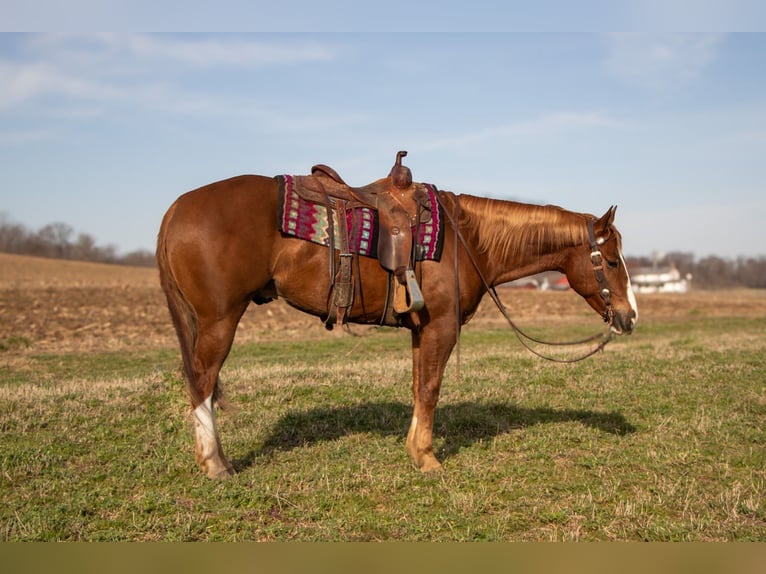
401 204
324 183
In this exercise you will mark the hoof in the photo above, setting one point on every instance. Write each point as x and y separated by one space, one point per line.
218 471
222 474
428 463
434 466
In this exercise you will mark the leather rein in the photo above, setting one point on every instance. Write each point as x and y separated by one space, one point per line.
524 338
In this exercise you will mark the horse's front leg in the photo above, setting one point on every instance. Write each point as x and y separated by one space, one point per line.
430 352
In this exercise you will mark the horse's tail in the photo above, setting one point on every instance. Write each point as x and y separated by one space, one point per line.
181 312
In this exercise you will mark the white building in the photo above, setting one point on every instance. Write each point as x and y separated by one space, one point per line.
659 280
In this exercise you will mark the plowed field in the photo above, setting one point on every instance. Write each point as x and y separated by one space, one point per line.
58 306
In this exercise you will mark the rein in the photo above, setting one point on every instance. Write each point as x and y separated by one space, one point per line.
523 337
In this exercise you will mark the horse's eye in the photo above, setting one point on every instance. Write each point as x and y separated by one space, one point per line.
613 264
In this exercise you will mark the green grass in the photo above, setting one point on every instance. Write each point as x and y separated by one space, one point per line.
661 437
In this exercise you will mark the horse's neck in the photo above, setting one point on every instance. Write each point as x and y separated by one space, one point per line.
514 240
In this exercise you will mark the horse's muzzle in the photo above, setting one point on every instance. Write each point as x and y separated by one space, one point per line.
623 323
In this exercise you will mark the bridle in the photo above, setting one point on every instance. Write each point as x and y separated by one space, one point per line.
598 269
597 260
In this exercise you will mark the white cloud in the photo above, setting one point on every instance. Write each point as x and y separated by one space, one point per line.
142 69
659 62
222 51
22 82
188 49
547 125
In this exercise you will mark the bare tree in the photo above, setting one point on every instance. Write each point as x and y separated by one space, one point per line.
12 235
56 237
84 248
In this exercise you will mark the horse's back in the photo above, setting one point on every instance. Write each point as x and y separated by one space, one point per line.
218 203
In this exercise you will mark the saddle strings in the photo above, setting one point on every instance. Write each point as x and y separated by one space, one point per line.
520 334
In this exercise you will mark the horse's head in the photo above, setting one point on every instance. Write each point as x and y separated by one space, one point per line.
597 272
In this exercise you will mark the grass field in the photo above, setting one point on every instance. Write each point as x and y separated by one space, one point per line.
661 437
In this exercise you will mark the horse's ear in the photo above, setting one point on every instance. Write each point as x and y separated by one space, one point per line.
604 224
608 218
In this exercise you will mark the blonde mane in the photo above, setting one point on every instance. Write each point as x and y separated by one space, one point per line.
503 227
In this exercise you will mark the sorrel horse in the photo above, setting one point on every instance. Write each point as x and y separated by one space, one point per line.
219 249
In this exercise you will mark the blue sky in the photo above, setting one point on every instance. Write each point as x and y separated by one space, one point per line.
104 131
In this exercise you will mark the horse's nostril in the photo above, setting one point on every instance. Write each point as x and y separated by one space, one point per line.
624 323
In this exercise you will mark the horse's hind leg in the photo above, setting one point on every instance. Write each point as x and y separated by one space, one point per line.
213 345
208 451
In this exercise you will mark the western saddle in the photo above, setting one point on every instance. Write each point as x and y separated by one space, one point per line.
401 205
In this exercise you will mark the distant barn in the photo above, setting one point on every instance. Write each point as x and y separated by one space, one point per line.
659 280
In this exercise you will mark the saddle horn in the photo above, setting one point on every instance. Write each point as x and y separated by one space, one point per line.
400 175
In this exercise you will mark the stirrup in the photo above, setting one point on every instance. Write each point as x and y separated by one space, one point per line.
407 296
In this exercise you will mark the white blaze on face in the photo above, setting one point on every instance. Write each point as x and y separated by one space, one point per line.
631 294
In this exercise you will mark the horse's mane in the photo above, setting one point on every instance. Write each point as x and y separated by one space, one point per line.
501 227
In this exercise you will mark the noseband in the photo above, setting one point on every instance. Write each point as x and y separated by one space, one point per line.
597 260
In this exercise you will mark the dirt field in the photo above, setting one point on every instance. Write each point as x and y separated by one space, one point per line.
64 306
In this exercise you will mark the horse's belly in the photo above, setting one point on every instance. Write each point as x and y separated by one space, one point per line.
301 276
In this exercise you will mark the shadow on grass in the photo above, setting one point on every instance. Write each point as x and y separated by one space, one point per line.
461 424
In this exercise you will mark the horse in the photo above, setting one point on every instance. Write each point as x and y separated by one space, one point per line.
219 249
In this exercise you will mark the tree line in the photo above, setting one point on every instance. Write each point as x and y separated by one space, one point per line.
59 240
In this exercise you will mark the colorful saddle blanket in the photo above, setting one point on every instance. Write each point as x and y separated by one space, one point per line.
307 220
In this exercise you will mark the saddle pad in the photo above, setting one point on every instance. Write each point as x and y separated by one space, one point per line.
304 219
